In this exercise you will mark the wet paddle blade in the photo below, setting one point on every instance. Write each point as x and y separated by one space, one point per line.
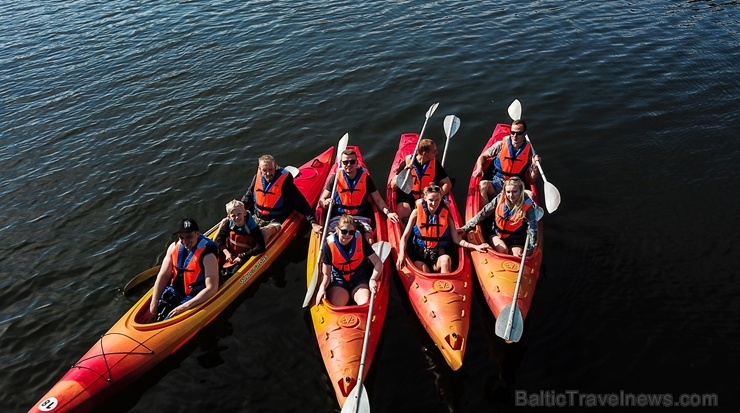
452 124
552 197
357 401
515 110
517 323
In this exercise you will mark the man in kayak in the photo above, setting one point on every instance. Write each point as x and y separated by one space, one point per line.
273 195
512 156
238 237
189 273
425 170
344 266
515 216
356 193
434 235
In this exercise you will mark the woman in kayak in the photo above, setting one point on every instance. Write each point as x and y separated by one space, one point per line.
434 234
344 266
515 216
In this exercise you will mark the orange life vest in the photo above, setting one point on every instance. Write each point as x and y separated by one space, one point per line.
422 175
188 264
351 197
268 196
511 162
346 263
239 240
505 224
431 231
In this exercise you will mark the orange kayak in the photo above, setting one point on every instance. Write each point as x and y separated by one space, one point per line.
340 330
440 300
133 346
497 273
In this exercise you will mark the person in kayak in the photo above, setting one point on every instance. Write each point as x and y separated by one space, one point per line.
425 170
272 195
434 235
356 193
238 237
512 156
188 275
345 269
515 216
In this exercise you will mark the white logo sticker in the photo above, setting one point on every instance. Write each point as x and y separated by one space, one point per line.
49 404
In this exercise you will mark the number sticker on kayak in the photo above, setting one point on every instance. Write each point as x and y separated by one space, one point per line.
49 404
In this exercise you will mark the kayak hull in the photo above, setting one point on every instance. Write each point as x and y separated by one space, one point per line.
133 345
340 330
497 273
440 301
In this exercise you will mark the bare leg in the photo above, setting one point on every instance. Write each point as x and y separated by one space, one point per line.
361 294
337 296
444 264
269 231
403 209
499 245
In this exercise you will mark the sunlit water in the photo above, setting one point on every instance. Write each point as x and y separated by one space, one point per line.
118 118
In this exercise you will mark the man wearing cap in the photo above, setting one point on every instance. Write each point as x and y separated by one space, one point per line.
188 275
272 196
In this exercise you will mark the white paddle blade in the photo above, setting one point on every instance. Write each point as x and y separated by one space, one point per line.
312 288
538 212
431 110
552 197
404 181
357 401
342 146
517 324
452 124
292 170
515 110
382 249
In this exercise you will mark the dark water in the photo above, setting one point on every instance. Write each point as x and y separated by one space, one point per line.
117 118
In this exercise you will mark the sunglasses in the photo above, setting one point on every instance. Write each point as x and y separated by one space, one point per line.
349 162
348 231
519 133
433 188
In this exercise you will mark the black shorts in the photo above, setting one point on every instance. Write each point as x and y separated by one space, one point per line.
426 255
362 276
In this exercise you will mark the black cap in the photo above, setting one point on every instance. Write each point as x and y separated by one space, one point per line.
186 225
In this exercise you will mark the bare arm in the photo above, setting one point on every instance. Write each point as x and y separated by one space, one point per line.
380 203
405 239
163 276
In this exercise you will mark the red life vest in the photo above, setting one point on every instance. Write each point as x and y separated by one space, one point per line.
268 196
427 171
351 196
346 263
193 275
431 231
238 241
511 162
505 224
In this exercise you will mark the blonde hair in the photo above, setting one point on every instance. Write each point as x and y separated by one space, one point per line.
346 219
234 204
516 207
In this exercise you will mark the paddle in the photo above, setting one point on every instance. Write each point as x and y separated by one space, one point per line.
552 195
510 324
357 400
402 180
341 146
452 124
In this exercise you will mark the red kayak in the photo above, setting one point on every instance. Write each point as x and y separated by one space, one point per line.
497 273
440 300
133 345
340 329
